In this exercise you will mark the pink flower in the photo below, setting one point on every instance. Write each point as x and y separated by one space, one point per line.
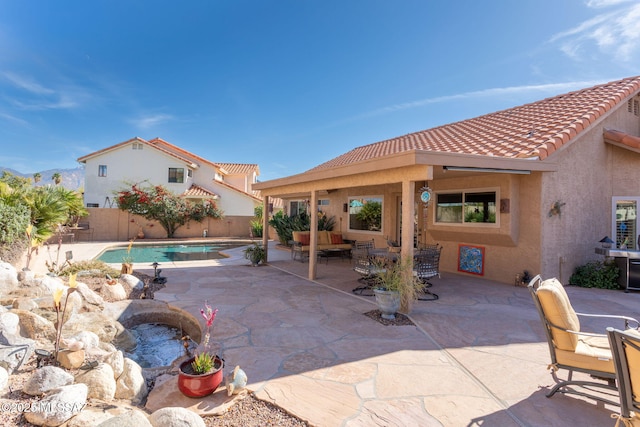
208 314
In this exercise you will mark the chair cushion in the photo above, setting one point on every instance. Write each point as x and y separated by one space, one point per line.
336 239
558 310
633 360
301 237
324 238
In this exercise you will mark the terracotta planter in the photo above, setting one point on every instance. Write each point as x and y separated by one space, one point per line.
127 268
193 385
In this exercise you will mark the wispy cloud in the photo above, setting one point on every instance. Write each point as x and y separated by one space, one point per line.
147 122
613 32
550 89
30 95
13 119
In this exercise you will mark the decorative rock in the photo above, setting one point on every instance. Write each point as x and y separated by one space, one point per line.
95 322
71 359
4 378
35 327
71 344
116 360
65 402
8 276
9 323
92 301
131 384
175 416
133 418
25 303
100 381
45 379
114 292
14 349
88 339
132 282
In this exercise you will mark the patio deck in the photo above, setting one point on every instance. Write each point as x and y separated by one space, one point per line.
476 357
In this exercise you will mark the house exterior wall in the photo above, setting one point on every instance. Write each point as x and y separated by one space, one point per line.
234 203
590 172
125 165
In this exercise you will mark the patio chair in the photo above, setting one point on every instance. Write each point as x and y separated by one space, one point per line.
573 349
426 265
365 265
625 346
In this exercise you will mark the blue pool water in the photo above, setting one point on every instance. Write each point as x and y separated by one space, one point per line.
168 252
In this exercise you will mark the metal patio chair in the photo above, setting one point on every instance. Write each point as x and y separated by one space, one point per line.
426 265
625 346
573 349
366 266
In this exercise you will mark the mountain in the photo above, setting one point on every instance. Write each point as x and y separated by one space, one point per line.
72 179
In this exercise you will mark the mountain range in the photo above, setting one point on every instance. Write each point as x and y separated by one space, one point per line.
72 179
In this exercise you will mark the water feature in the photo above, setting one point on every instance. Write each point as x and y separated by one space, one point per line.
170 252
158 344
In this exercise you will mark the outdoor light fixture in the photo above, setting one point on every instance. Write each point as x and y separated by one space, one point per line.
490 170
606 242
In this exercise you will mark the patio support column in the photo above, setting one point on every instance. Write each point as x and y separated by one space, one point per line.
408 201
313 235
265 227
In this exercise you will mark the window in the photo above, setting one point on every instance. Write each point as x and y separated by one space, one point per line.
93 205
137 146
189 173
323 202
176 175
296 207
102 170
466 207
365 213
625 222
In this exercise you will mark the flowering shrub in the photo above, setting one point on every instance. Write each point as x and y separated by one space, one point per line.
156 203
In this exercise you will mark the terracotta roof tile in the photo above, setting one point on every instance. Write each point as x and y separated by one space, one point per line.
239 168
534 130
199 192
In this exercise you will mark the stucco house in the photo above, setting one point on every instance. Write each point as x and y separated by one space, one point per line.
534 187
157 162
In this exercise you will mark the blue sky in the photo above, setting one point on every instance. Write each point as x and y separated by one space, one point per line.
286 84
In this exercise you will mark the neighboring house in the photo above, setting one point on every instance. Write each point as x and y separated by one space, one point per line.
532 188
158 162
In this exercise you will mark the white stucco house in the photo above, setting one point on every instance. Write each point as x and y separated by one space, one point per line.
157 162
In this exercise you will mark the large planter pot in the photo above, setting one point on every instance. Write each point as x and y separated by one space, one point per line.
193 385
388 303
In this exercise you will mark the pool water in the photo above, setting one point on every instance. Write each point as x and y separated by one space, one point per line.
168 252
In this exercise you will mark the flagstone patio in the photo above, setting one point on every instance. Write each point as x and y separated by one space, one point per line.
475 357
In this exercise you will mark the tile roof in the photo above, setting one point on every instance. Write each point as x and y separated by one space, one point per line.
239 168
622 139
199 192
532 130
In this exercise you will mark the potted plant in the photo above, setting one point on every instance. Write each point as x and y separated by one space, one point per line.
255 253
201 374
127 260
396 287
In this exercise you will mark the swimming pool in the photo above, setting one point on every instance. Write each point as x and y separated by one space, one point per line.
169 252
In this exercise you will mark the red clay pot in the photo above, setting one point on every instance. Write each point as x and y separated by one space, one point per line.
192 385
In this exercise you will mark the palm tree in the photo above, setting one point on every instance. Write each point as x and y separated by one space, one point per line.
57 178
37 177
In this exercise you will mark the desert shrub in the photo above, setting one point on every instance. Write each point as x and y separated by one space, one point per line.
90 268
596 274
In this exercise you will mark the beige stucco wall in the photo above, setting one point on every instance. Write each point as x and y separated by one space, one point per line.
117 225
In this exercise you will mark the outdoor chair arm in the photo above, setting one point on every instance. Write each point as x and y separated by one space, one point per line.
626 319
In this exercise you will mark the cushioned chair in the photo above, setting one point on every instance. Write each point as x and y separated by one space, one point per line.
571 348
625 346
